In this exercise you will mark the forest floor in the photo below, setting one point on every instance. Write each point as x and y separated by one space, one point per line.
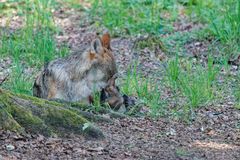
213 134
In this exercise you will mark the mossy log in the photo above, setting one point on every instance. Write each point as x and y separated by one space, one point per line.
22 113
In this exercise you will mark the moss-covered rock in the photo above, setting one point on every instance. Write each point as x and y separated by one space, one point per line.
7 121
22 113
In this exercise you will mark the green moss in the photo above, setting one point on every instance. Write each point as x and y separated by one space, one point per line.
27 120
39 101
90 116
7 122
23 116
80 106
42 116
64 118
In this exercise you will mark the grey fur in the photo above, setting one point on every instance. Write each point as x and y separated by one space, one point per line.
76 77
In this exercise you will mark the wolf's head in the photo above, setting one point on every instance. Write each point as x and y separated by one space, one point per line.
112 95
102 54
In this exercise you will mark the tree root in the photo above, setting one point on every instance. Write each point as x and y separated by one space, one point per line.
22 113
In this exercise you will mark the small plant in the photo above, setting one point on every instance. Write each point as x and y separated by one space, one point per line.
194 87
197 85
173 72
147 91
157 107
97 100
135 83
193 84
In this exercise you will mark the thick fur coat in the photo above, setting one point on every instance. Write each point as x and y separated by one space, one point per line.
77 77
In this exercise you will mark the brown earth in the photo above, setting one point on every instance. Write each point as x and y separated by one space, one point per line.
213 135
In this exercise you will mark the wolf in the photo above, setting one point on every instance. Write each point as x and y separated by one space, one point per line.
77 77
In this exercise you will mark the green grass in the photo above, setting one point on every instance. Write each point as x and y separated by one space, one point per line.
147 16
195 82
173 72
135 84
97 101
73 4
226 27
196 85
222 19
10 6
19 81
33 44
33 47
133 16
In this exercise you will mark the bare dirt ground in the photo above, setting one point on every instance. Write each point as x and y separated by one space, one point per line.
214 133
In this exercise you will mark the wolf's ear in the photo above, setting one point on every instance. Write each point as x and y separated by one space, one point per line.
106 40
96 46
